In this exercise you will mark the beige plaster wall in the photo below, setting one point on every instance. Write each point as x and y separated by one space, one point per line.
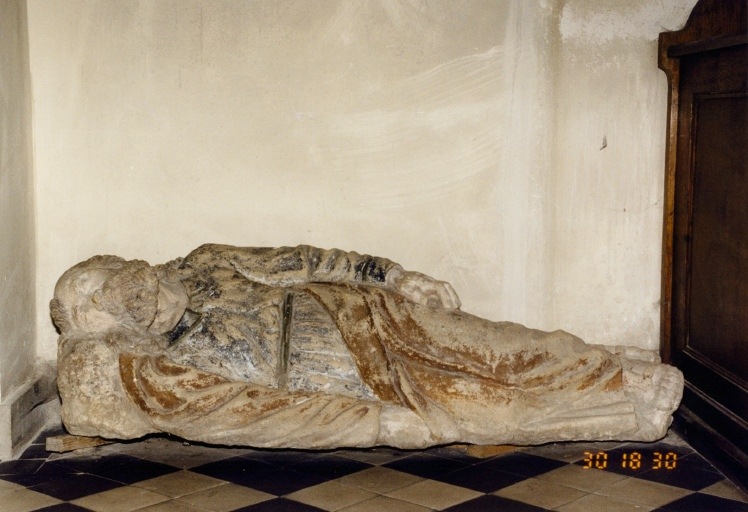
458 138
607 187
17 257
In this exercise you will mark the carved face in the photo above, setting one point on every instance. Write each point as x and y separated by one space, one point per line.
105 293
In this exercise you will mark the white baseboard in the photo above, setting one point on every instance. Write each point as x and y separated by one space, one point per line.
27 411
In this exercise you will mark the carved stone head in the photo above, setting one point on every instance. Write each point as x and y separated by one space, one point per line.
108 292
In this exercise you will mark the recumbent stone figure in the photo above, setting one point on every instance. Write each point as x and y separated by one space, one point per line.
310 348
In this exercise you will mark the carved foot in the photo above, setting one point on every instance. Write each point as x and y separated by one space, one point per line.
655 391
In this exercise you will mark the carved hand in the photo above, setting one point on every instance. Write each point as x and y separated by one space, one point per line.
423 289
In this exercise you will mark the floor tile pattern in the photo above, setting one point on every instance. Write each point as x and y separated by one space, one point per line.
169 475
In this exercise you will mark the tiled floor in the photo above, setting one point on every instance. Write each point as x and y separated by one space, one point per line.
163 475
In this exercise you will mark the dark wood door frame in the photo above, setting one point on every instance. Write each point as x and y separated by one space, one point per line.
713 414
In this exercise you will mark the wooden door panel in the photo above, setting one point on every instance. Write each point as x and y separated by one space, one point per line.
718 296
709 334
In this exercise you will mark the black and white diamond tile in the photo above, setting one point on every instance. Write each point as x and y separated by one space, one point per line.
167 475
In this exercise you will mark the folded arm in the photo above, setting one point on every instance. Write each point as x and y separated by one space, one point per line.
289 266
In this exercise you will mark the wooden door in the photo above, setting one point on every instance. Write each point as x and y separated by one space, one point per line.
705 253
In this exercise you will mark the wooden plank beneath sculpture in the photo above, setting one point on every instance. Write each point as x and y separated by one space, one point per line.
68 443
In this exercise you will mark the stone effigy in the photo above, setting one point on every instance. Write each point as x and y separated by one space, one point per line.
309 348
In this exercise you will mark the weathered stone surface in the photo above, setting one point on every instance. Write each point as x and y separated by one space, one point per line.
310 348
